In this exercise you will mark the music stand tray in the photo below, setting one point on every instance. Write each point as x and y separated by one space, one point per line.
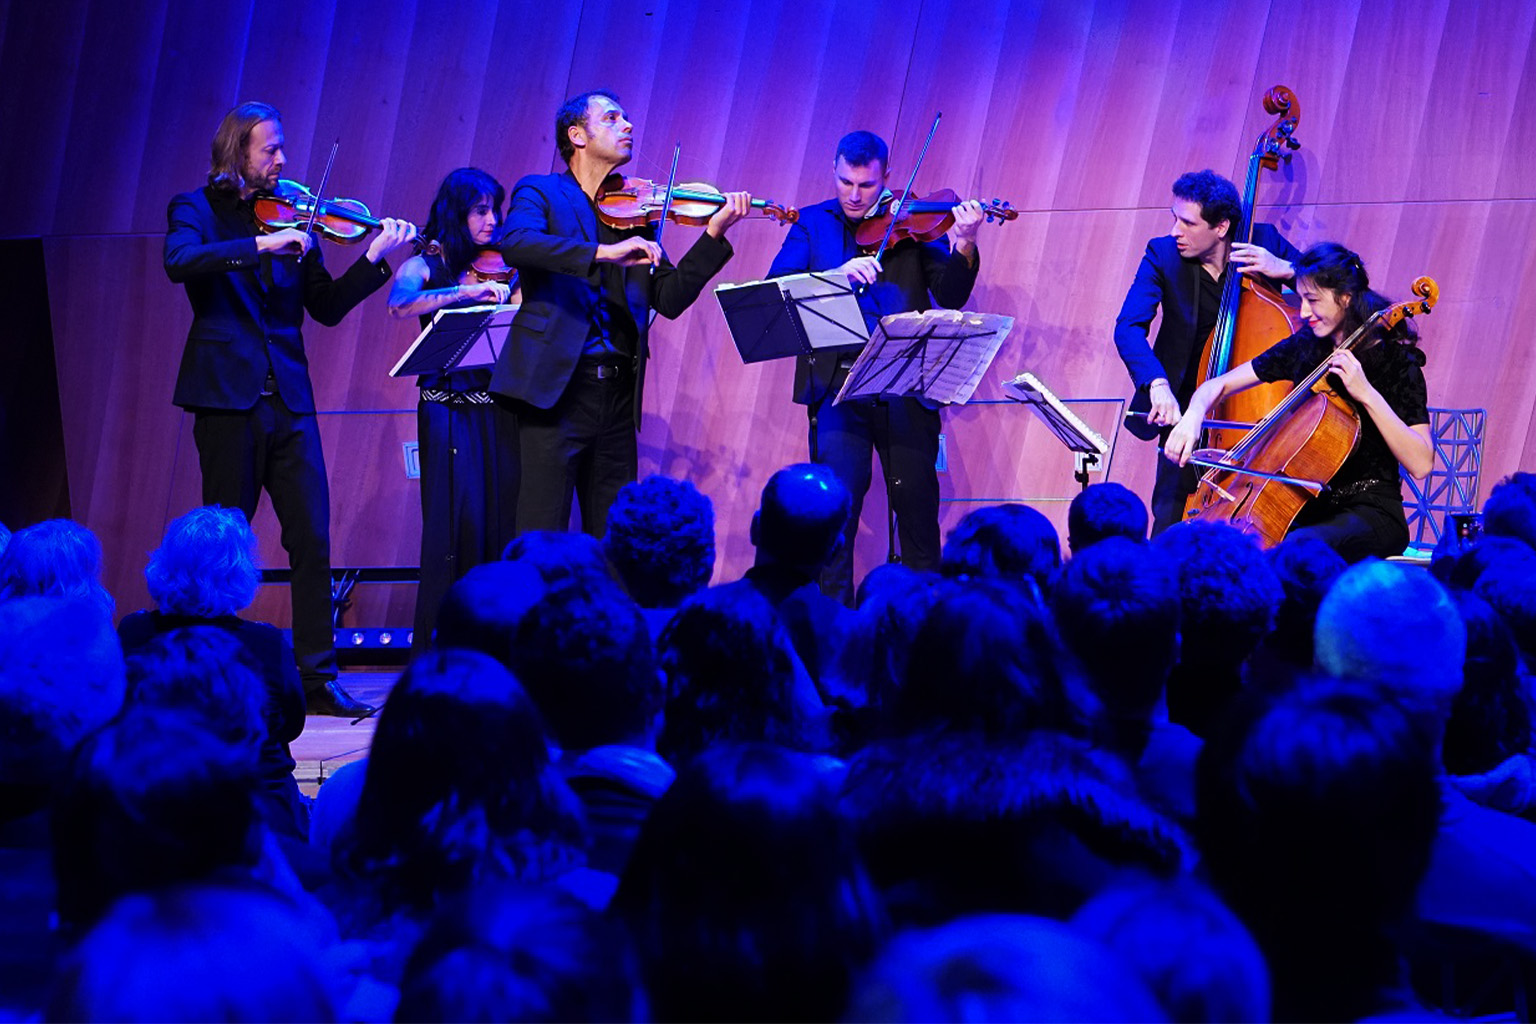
1086 444
465 338
939 355
792 316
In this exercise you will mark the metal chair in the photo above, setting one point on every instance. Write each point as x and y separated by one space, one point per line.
1451 487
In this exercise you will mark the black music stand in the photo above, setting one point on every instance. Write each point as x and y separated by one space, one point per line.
792 316
466 338
938 355
1086 444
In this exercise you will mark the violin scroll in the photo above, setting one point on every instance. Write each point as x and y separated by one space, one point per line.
1280 136
1429 294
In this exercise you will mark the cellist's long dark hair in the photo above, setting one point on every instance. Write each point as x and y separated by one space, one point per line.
1330 265
447 223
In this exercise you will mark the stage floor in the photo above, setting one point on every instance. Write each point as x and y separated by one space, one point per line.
327 743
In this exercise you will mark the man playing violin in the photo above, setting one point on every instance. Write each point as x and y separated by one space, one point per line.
911 276
574 363
1182 272
244 375
467 442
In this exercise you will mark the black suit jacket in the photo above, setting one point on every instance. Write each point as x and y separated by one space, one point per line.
552 234
1167 279
248 308
823 238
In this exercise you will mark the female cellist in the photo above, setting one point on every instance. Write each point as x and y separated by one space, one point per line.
467 443
1361 513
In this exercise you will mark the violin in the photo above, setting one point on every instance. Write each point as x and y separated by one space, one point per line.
488 264
1289 457
291 205
638 202
922 219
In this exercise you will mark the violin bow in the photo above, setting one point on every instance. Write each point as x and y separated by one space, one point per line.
314 211
907 194
666 207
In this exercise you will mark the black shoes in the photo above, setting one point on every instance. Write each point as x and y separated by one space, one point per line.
331 699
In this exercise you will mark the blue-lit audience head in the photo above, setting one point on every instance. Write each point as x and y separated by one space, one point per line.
1462 571
61 676
1306 567
1117 607
893 602
206 565
1510 510
584 655
5 537
1317 810
745 893
556 554
987 660
204 671
53 558
1105 510
955 824
213 951
1192 951
801 518
484 608
1012 541
460 786
1395 626
519 953
995 968
1490 717
733 674
1228 597
661 540
152 799
1510 587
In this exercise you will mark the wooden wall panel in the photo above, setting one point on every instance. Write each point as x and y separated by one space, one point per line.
1417 135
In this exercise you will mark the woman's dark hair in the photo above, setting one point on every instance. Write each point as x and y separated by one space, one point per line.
745 893
460 787
1329 265
448 223
988 659
733 674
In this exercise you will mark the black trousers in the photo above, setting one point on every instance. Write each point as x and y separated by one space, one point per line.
1364 526
905 433
584 446
1171 489
469 487
270 448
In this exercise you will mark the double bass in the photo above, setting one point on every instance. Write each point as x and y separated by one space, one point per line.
1289 457
1253 316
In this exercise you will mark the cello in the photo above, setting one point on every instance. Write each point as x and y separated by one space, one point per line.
1288 458
1252 316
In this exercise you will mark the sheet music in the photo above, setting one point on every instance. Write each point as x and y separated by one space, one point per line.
793 315
480 330
1063 422
938 354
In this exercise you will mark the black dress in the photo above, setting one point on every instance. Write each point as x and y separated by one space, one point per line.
1361 513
